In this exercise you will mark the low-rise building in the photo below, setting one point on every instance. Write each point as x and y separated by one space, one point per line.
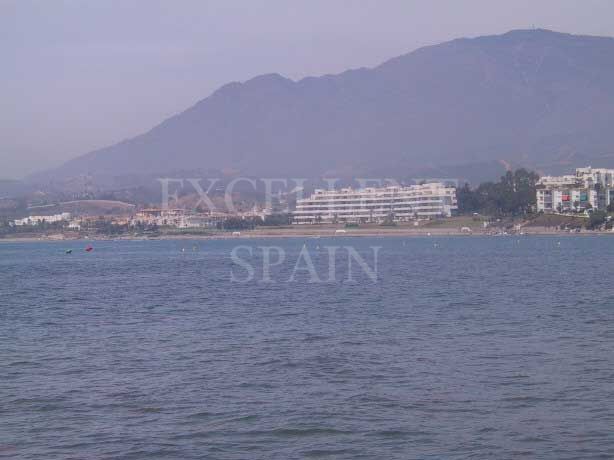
161 217
395 203
75 224
209 220
37 220
179 218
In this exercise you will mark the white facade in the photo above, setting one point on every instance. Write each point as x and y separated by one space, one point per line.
558 181
590 188
592 176
178 218
377 204
36 220
162 217
74 224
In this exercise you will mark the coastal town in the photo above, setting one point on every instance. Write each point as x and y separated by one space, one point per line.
328 230
576 203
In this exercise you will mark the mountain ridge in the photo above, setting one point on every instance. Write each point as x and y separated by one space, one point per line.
529 97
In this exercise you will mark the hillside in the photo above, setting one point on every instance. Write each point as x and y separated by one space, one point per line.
466 107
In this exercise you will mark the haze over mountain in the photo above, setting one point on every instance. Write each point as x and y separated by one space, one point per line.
534 98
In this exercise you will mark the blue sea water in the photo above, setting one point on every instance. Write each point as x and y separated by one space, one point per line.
461 348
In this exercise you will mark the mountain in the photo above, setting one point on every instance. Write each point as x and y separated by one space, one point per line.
10 188
535 98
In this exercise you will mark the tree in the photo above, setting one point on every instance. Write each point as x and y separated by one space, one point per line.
597 219
467 200
278 219
237 223
514 194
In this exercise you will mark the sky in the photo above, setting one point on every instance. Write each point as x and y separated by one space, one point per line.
80 75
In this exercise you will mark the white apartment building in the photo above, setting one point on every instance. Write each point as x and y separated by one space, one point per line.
179 218
589 188
558 181
162 217
377 204
37 220
592 176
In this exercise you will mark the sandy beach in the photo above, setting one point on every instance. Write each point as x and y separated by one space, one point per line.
319 231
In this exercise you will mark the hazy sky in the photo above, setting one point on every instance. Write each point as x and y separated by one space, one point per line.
79 75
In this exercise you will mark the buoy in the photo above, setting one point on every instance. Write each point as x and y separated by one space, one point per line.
89 249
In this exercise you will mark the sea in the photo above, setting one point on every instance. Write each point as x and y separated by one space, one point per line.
283 348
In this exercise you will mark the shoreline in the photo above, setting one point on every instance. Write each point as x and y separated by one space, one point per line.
313 233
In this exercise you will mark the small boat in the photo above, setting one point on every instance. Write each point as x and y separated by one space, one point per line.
89 249
69 251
